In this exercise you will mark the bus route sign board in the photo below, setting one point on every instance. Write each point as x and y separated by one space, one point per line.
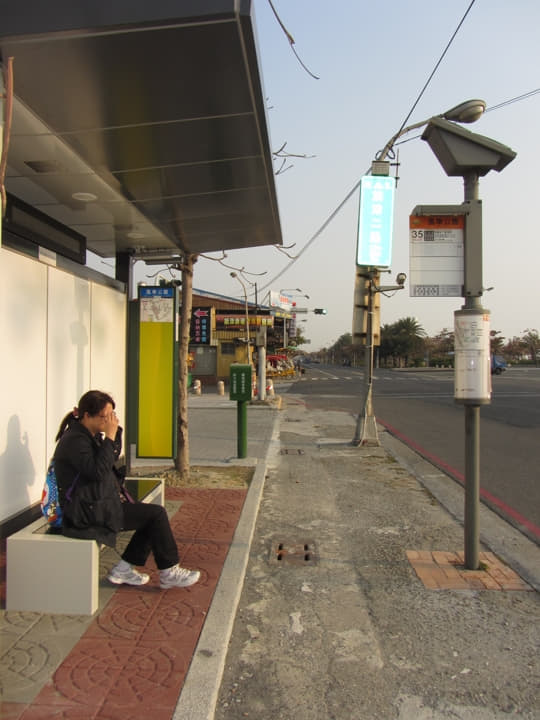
436 252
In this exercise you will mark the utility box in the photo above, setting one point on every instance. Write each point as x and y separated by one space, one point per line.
240 382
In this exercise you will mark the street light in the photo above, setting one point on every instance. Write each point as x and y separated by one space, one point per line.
466 112
469 155
288 291
248 349
298 290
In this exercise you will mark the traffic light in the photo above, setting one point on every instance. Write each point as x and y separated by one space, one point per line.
320 311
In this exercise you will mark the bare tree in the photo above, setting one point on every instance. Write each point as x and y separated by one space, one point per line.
182 452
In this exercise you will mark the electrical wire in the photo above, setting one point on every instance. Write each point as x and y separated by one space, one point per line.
513 100
357 185
436 66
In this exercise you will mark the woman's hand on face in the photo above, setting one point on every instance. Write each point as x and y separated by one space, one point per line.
111 425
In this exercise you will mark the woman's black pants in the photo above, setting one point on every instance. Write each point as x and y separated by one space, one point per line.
152 534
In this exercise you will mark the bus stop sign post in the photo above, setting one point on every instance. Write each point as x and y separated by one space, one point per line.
240 390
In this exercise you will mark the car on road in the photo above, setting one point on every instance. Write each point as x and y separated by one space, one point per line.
498 364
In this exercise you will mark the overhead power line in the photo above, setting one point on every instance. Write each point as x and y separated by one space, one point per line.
357 185
513 100
436 66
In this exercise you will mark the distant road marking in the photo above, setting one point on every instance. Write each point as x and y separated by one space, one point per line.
485 494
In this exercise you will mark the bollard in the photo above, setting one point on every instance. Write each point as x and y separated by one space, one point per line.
270 389
221 387
197 387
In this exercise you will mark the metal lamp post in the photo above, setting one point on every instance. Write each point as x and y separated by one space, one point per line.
470 156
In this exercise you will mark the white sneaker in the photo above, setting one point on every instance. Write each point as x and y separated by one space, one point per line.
177 576
127 577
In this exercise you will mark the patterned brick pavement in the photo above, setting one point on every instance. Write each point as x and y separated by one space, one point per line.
132 659
439 570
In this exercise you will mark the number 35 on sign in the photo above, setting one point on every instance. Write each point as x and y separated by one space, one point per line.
436 255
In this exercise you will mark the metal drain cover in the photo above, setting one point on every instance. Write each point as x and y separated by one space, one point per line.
289 451
294 552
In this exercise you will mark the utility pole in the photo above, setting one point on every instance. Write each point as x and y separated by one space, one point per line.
366 424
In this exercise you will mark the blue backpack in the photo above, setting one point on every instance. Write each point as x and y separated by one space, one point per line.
50 501
50 504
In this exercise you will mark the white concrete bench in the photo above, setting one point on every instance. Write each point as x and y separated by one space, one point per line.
51 573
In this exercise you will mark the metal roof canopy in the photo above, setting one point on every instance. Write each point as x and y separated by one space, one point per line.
155 108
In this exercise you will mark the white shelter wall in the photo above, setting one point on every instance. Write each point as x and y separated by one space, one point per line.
23 367
60 335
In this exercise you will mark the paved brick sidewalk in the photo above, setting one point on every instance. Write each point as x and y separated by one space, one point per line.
131 660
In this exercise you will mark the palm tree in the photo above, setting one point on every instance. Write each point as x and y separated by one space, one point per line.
531 340
411 337
402 339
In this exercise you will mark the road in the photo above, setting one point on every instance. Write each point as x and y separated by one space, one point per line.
419 407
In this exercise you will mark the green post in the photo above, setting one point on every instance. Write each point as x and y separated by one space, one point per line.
240 390
241 428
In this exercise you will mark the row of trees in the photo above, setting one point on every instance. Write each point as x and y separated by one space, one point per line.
405 343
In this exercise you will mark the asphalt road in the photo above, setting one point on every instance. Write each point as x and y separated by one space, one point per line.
419 407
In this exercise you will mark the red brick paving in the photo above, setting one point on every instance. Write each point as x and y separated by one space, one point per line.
133 659
441 570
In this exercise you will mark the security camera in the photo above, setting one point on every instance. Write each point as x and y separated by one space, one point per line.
400 279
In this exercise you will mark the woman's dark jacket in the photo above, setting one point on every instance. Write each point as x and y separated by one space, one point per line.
95 509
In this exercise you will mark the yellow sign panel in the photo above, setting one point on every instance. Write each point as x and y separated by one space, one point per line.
156 374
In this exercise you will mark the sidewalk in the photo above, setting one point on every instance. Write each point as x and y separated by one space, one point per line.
345 553
354 605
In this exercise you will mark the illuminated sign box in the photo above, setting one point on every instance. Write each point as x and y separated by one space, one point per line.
375 221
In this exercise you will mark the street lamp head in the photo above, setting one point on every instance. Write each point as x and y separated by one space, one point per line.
466 112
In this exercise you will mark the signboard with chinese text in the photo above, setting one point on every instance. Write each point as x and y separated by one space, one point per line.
201 326
279 300
436 252
375 221
233 322
156 304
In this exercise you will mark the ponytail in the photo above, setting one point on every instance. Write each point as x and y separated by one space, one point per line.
66 423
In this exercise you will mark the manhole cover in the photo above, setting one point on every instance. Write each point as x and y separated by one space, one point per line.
294 552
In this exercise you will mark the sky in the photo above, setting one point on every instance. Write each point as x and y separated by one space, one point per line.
372 61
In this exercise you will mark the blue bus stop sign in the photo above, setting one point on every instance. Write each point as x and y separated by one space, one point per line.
375 221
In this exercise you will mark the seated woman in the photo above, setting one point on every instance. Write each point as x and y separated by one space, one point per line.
96 507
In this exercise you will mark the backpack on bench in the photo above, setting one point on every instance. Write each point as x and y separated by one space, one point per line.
50 501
